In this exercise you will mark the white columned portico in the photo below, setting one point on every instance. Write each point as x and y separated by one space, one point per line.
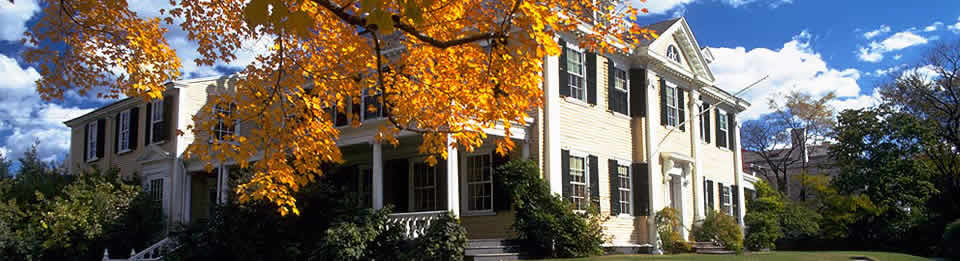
551 85
695 154
738 170
653 161
377 175
453 178
223 179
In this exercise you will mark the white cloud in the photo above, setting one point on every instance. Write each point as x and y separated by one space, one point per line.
875 50
933 27
795 66
884 71
28 118
955 27
677 7
857 102
897 57
13 18
882 30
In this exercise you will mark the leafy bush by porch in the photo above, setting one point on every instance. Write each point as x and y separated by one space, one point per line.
547 225
332 226
668 221
951 240
48 215
721 228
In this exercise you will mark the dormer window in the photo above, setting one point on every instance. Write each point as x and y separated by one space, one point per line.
673 54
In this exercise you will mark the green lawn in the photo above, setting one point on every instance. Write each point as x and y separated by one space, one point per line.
777 255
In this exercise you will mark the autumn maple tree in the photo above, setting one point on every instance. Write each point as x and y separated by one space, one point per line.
440 67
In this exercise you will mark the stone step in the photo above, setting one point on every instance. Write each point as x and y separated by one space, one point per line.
489 250
495 242
704 245
492 257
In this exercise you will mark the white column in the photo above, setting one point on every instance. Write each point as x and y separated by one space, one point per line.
653 162
551 85
694 127
223 179
738 169
453 178
377 176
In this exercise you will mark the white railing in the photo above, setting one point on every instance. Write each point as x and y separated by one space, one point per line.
415 224
152 253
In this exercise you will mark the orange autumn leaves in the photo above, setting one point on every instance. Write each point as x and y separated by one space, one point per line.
440 67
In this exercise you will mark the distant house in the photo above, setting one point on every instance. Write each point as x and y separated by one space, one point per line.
632 132
800 161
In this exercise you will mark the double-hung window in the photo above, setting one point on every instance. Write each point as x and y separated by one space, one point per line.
576 70
425 187
155 191
156 119
578 182
92 141
673 112
224 128
479 183
725 200
372 106
722 129
124 135
623 176
620 95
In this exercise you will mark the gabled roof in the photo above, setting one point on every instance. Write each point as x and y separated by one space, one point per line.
662 26
683 35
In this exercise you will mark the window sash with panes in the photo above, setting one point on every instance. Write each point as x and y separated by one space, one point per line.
620 94
672 111
725 202
479 183
124 135
155 190
92 140
722 127
156 117
576 71
578 182
704 111
223 129
623 175
424 187
371 100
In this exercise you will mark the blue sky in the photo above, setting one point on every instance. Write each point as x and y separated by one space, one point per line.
845 46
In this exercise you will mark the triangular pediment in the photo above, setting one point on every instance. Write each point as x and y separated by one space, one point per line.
676 34
153 153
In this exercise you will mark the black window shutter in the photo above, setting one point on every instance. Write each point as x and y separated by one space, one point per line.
706 122
594 180
86 140
732 122
736 203
116 134
641 189
565 173
704 192
591 78
663 101
399 178
101 135
500 196
147 125
682 109
164 129
638 92
720 142
614 187
611 80
134 127
564 78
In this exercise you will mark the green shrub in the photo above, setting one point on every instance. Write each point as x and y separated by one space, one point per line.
951 240
546 225
721 228
668 223
763 218
445 239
